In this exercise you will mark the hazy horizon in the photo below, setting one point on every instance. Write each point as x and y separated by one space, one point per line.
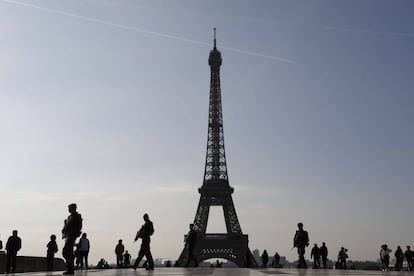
105 103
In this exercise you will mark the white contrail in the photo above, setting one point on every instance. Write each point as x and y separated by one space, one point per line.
131 28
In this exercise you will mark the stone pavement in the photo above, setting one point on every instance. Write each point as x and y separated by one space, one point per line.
223 272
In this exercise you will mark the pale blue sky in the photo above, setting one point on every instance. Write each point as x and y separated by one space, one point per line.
105 103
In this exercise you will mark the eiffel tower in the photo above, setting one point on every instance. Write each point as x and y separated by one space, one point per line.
216 190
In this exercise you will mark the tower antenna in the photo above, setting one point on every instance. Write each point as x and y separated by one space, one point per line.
214 37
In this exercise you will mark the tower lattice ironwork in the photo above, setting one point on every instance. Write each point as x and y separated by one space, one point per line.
216 190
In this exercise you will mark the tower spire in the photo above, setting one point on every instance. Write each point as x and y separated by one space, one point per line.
215 38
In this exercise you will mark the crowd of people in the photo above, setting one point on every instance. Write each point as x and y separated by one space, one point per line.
73 229
301 241
76 254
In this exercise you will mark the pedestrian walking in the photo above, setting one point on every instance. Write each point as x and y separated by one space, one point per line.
144 233
301 241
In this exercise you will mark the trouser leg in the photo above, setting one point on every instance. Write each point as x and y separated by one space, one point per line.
140 256
68 253
148 255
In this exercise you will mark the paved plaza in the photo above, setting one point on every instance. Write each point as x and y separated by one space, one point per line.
223 272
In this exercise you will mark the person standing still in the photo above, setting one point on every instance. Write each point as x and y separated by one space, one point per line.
399 257
13 245
301 241
190 242
409 257
342 256
119 251
324 254
265 259
385 257
52 248
316 254
71 230
84 247
144 233
276 260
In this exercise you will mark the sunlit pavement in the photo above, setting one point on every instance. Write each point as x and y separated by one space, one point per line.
222 272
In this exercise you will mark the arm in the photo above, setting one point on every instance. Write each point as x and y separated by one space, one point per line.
19 244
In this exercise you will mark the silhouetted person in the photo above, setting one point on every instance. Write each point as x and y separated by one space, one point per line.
218 263
52 248
84 247
190 242
409 257
13 245
144 233
119 251
399 258
342 256
316 254
71 230
276 260
265 258
101 264
385 257
127 259
324 254
301 241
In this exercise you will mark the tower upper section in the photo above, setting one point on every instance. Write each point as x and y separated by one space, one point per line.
214 59
215 174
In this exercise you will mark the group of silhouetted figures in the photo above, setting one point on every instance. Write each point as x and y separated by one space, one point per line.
77 253
301 241
276 260
399 258
72 229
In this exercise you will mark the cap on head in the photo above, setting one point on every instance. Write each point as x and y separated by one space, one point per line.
72 206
